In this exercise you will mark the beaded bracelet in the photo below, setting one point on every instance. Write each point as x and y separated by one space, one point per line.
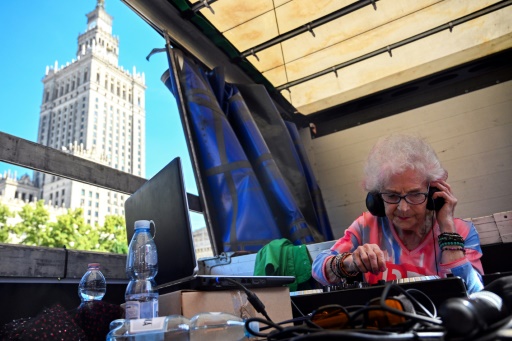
450 236
454 249
344 271
333 268
446 239
443 244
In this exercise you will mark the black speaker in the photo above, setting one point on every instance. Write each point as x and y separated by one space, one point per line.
375 204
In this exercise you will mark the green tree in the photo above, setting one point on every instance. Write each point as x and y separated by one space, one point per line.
113 235
71 231
5 213
34 224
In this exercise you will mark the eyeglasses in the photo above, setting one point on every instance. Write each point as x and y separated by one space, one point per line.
410 198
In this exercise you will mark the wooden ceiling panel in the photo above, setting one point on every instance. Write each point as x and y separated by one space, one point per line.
380 37
250 33
354 44
267 59
276 75
351 25
475 39
298 13
232 13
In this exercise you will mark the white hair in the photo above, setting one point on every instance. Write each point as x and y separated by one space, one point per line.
397 153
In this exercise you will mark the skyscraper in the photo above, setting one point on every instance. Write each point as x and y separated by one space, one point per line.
95 109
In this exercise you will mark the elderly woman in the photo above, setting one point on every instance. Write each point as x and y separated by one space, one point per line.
411 230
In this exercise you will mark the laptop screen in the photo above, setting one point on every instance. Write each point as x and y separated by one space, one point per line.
163 200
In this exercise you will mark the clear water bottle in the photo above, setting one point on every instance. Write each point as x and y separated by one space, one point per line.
141 268
93 285
172 327
218 326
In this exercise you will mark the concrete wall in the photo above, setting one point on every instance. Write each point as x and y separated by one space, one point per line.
472 135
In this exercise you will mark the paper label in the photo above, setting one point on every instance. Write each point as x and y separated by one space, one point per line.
132 310
147 325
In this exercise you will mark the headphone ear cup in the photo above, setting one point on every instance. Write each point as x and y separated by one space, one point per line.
434 204
375 204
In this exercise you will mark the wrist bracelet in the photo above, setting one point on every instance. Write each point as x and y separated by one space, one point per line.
333 268
454 249
444 244
450 239
341 266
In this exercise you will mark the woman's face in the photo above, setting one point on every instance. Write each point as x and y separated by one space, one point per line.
405 216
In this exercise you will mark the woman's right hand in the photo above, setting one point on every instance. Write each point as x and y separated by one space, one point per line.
367 258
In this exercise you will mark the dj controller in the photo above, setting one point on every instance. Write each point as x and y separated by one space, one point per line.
359 293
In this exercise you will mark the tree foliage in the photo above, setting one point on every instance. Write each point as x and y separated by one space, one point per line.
112 237
70 230
5 213
34 225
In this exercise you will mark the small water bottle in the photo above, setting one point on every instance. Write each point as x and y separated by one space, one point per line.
141 268
93 285
218 326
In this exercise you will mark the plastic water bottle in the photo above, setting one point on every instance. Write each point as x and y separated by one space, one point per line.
171 327
218 326
93 285
141 268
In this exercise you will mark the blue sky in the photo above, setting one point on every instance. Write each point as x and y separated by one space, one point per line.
35 34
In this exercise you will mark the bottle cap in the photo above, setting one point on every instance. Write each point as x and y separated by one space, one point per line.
93 265
142 224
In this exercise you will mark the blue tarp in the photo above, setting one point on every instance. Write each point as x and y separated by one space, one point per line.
287 214
240 213
324 226
249 200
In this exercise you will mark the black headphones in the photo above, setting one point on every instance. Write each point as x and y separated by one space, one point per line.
375 204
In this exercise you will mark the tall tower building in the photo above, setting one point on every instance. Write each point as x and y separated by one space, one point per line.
95 109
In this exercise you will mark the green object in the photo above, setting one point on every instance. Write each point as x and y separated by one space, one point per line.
281 258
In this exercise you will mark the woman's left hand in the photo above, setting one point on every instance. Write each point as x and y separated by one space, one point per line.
446 213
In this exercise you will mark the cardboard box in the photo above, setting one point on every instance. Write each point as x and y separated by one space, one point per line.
189 303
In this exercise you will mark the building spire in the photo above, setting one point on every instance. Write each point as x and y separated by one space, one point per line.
101 3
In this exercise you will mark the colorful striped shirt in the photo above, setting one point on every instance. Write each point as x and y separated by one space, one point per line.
423 260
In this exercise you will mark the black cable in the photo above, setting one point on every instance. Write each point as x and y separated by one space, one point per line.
434 241
432 314
269 324
297 308
411 316
308 330
252 298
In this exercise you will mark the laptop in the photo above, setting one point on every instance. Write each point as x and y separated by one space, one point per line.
163 199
